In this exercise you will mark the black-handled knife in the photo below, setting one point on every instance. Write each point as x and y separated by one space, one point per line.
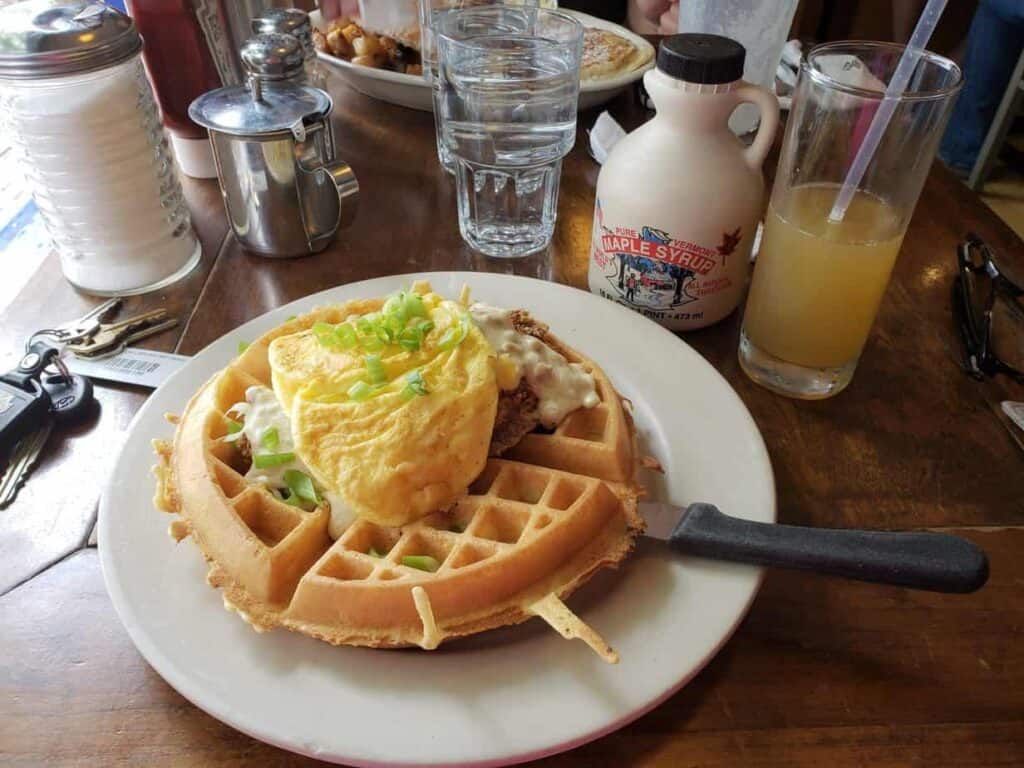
919 560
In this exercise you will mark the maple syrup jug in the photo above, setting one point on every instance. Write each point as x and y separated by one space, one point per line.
678 199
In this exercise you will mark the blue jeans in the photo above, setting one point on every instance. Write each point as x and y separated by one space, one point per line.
994 44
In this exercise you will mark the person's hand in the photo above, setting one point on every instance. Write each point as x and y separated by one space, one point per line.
332 9
663 14
668 22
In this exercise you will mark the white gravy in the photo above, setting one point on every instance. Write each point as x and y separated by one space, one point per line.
260 411
560 386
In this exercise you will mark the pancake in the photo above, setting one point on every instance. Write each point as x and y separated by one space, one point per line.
607 54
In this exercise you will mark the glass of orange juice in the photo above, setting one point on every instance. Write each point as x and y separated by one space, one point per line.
818 283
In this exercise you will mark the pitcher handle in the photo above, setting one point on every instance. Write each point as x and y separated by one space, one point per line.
768 104
347 184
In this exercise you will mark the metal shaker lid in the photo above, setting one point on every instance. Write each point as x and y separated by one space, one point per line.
288 21
243 112
49 38
273 56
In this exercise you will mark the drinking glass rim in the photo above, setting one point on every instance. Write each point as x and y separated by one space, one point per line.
850 46
548 12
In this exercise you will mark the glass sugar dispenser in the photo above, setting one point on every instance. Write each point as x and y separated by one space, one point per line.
76 104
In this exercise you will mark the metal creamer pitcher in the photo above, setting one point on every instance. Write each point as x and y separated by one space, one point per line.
285 191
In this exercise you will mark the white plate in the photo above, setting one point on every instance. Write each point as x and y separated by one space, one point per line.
501 697
414 92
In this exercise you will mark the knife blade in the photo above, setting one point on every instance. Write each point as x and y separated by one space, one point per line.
938 562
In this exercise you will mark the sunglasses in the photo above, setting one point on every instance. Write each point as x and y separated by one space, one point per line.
989 311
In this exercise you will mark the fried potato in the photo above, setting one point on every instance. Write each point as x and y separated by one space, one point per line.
352 32
338 45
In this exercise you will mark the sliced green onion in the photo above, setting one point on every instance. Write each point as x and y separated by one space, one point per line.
346 336
301 486
270 439
292 500
414 385
414 306
324 333
374 553
371 343
384 334
394 307
234 430
290 318
366 325
267 460
360 391
409 341
375 368
421 562
394 326
242 346
454 335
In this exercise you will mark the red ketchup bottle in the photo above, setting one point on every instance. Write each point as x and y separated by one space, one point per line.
181 67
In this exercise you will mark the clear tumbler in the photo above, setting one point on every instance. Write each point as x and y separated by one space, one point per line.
431 13
818 283
508 117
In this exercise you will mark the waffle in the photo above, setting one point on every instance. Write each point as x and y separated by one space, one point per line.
533 527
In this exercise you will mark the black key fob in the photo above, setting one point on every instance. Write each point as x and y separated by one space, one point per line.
21 411
24 404
71 398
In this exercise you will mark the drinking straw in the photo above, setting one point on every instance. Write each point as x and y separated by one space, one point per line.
893 92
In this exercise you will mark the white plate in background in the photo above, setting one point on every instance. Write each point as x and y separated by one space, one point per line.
414 92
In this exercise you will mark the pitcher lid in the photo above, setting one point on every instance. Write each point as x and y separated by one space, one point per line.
234 109
51 38
696 58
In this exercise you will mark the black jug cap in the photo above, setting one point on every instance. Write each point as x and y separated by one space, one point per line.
701 58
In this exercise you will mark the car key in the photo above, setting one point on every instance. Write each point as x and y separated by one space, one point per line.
62 397
23 460
71 396
24 404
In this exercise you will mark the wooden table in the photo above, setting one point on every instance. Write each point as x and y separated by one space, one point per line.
821 671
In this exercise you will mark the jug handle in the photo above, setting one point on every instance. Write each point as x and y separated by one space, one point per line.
347 184
347 187
768 104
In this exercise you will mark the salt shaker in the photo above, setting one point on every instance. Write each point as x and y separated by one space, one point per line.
76 102
295 22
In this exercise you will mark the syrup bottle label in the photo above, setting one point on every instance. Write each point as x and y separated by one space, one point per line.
667 278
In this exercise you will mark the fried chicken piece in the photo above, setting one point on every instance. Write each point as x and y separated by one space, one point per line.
518 409
524 323
518 414
242 444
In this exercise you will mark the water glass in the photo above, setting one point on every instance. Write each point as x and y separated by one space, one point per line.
818 283
431 13
508 117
